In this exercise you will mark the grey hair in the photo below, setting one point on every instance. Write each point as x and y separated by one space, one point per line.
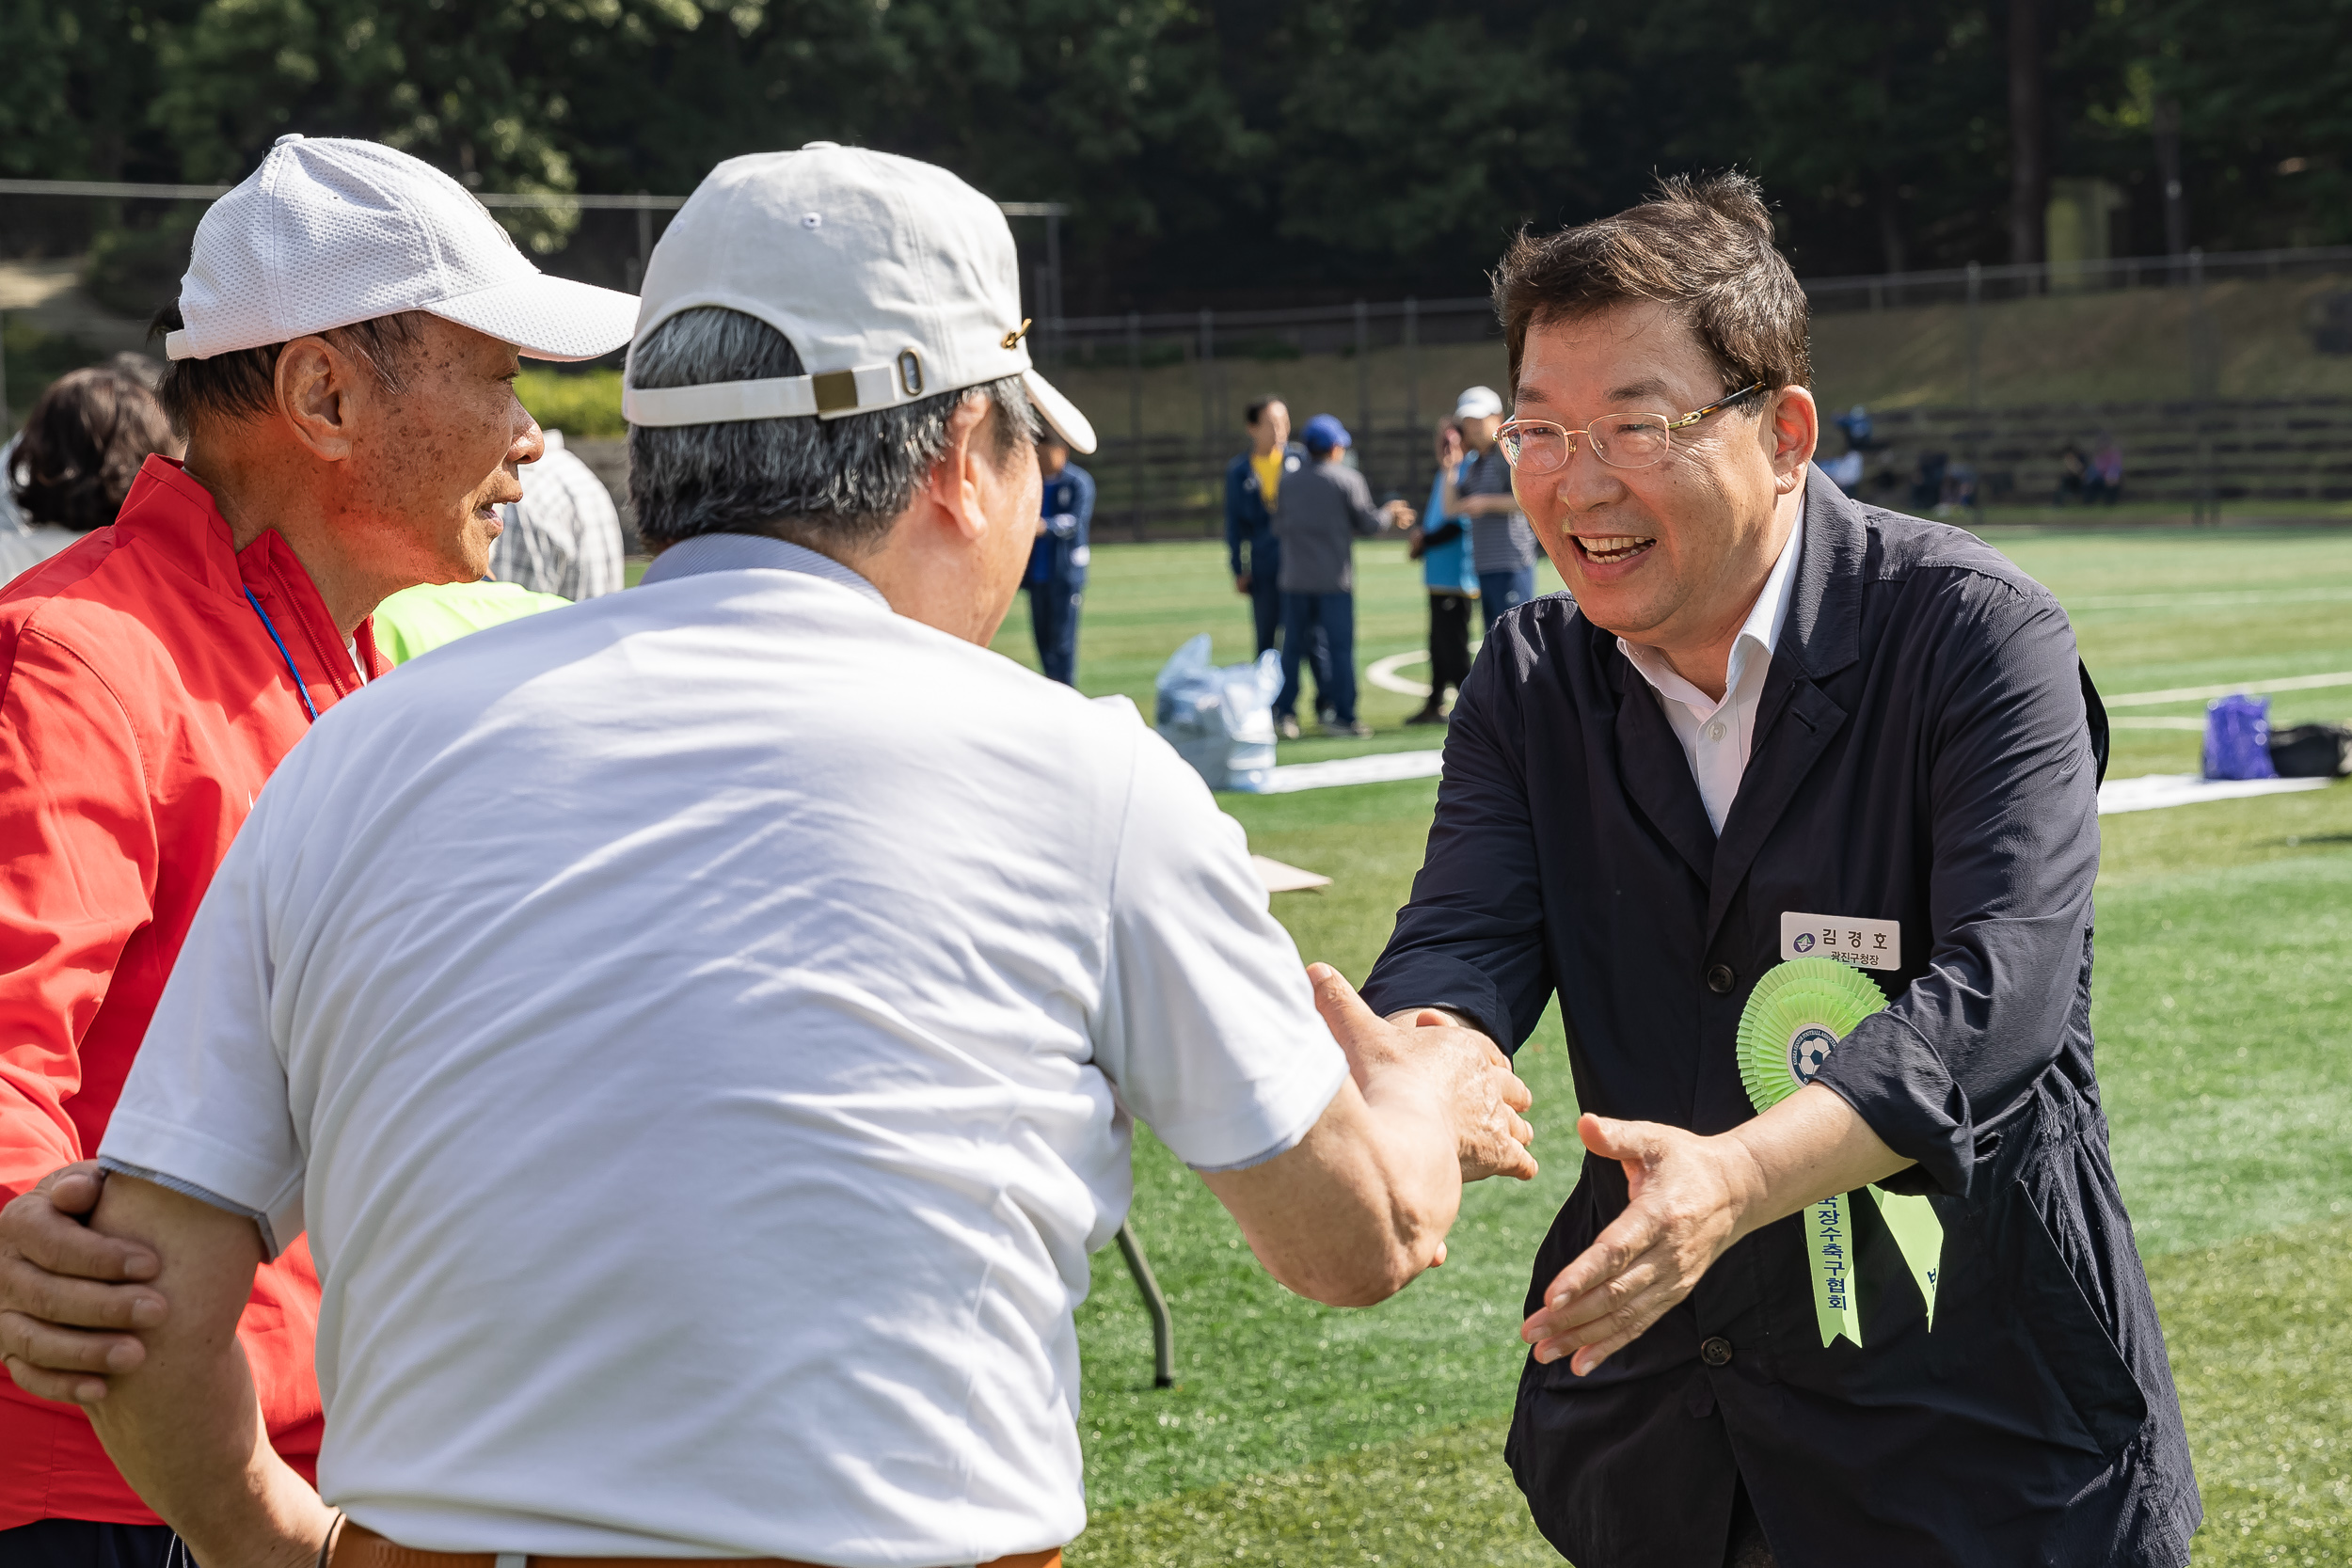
836 482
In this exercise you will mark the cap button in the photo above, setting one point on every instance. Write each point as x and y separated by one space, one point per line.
290 135
817 146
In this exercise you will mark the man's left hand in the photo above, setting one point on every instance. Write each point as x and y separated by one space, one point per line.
72 1302
1688 1200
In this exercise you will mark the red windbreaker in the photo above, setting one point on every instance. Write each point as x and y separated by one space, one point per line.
143 704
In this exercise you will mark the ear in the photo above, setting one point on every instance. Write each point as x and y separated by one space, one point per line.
956 478
1794 427
319 391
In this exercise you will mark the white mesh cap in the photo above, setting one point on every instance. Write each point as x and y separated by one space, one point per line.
327 232
891 279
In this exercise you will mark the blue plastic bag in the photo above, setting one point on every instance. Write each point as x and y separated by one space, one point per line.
2237 738
1221 720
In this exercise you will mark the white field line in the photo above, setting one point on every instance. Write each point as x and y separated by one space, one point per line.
2198 724
2194 693
2207 601
1382 673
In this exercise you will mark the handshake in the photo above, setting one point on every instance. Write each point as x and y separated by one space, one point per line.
1361 1204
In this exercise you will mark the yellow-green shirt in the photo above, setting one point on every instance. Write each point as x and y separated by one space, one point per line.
417 620
1269 473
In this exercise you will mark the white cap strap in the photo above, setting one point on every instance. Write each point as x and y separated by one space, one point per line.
829 396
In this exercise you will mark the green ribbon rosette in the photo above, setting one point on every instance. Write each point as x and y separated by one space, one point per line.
1794 1018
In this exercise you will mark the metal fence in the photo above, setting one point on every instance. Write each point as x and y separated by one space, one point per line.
83 262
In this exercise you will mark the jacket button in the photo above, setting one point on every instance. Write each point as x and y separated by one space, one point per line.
1720 979
1715 1351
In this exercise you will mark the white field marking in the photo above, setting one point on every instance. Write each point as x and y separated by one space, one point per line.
2156 723
2194 693
2202 601
1382 673
2157 790
1372 768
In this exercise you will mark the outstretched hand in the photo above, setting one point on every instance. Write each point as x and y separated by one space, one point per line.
1688 1199
1469 1076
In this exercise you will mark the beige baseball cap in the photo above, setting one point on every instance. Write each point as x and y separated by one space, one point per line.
329 231
892 281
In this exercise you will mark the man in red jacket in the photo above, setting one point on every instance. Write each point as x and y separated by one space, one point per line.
343 351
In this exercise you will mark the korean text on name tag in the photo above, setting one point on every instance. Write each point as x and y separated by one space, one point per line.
1863 943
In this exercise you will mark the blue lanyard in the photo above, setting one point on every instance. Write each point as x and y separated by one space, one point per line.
300 690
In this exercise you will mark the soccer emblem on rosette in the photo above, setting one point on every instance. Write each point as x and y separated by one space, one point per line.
1808 1048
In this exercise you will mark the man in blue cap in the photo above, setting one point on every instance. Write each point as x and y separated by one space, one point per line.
1057 578
1325 507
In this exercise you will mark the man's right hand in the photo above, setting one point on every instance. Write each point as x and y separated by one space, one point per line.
1460 1069
71 1301
1241 582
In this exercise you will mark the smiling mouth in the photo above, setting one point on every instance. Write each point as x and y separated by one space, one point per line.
1610 550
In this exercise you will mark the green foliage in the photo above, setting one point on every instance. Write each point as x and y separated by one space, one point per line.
1304 148
578 403
132 271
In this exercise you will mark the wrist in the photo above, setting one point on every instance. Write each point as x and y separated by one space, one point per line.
1746 1180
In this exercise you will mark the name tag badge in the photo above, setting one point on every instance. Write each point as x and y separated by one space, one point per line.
1863 943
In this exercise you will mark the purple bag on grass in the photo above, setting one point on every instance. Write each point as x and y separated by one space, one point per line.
2237 738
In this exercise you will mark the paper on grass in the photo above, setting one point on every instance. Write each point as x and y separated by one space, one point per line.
1279 878
2153 791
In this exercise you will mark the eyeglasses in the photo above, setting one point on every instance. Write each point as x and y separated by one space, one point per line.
1620 440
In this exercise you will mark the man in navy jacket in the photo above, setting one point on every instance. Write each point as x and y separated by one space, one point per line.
1057 578
1768 709
1253 491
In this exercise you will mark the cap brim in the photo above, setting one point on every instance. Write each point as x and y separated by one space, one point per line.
1059 412
546 318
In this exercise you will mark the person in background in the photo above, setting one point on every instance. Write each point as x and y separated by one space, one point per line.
564 537
1253 492
1503 546
349 434
1855 423
1442 543
2073 467
140 368
418 620
2104 481
1326 508
1057 578
71 464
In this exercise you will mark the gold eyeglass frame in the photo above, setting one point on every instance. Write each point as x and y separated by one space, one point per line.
1512 427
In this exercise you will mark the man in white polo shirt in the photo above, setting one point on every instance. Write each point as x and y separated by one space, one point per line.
702 1158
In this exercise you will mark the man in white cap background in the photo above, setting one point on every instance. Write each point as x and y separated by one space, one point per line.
706 1164
342 355
1503 546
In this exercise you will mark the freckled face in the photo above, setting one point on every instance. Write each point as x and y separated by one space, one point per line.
446 454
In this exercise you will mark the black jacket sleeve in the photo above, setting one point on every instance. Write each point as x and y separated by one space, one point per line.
2013 805
1471 939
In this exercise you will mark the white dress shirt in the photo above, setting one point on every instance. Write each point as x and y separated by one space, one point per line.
1718 735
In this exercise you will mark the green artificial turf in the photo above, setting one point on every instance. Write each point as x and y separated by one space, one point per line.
1307 1436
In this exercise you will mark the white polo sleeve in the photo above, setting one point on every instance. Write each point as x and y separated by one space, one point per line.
1209 1029
204 1111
